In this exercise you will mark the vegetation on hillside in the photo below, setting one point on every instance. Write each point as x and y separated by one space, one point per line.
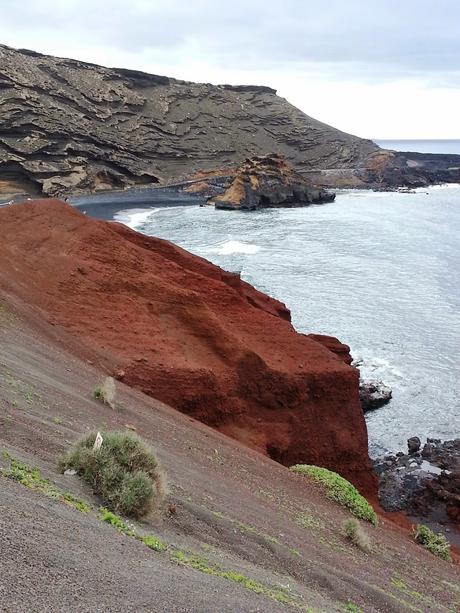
339 489
435 542
123 471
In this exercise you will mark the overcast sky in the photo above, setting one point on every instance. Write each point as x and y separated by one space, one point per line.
375 68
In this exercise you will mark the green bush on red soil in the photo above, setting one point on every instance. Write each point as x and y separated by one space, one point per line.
339 489
124 471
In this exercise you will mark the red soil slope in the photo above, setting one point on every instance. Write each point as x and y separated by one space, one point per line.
188 333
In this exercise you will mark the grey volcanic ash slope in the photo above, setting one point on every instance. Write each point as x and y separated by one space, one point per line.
69 125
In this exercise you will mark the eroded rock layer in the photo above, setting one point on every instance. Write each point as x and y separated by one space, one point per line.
68 125
189 334
267 181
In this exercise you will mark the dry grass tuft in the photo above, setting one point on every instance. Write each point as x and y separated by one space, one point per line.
106 392
357 535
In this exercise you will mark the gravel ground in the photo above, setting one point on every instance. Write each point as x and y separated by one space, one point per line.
228 504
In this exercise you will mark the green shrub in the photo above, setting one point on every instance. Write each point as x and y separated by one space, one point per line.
436 543
124 472
339 489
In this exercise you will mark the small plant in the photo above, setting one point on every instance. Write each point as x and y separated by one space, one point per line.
353 608
436 543
339 489
32 478
115 521
354 532
153 542
124 471
106 392
208 568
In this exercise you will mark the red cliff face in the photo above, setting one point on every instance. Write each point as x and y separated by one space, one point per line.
189 334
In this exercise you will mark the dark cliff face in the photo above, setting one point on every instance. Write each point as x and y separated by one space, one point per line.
69 125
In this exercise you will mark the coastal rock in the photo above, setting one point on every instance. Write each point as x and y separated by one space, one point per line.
414 444
390 170
267 181
425 485
373 395
215 348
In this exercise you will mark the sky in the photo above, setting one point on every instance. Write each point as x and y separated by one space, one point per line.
375 68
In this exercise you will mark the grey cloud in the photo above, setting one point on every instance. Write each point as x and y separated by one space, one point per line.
373 39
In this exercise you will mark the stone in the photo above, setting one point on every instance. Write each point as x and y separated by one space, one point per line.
373 395
414 444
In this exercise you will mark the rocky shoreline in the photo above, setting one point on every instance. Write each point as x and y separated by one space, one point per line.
424 483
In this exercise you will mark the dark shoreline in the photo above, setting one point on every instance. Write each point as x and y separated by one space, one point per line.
106 205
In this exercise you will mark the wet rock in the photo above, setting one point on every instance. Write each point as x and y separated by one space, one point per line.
373 395
425 485
414 444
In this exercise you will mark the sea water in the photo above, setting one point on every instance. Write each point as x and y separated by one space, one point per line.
378 270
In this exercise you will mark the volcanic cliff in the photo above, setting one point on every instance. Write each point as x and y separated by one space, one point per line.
69 125
188 333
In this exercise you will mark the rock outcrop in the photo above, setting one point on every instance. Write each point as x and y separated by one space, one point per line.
267 181
383 170
373 395
187 333
426 483
69 126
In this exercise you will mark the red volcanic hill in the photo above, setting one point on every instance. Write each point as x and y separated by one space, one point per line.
188 333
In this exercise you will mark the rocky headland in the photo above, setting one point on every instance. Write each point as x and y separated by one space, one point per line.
267 181
189 334
70 126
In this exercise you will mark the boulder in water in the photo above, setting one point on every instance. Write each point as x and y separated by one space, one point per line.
373 395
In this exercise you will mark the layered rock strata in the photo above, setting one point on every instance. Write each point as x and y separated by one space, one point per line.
70 126
267 181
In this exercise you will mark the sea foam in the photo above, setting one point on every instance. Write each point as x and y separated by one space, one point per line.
236 247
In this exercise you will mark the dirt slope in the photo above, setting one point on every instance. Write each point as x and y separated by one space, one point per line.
230 506
187 333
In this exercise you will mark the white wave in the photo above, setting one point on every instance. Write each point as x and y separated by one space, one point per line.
134 218
235 247
372 366
440 186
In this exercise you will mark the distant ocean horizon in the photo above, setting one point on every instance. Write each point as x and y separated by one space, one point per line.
421 145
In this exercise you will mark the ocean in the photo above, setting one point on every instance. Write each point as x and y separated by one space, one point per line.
378 270
422 146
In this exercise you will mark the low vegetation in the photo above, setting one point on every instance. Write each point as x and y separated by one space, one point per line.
124 471
106 392
339 489
355 533
31 477
117 522
204 566
435 542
